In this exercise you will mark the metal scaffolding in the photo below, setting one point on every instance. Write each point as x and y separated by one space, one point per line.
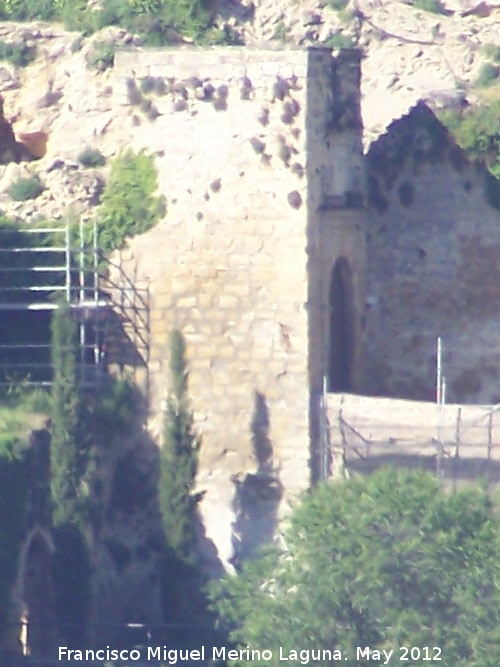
40 268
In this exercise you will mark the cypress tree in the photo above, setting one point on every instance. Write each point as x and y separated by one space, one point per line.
179 460
70 460
66 457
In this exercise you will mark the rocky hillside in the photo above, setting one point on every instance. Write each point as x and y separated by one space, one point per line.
58 97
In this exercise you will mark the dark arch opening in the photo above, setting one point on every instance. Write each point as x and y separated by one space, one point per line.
39 597
341 338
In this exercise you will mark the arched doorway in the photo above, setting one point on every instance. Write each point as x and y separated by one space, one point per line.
341 327
38 597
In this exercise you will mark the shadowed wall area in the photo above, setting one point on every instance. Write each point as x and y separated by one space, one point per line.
257 495
341 327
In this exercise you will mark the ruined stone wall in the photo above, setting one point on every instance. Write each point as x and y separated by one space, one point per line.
255 155
433 267
228 264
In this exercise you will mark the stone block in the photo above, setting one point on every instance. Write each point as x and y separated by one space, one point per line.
227 302
186 302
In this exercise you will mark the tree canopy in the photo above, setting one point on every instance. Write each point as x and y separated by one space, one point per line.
383 562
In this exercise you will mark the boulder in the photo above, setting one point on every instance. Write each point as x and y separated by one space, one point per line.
34 143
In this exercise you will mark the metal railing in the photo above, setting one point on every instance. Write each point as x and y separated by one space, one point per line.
43 267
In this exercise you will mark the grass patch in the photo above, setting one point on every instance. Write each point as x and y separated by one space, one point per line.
26 188
102 56
477 131
17 54
488 75
23 409
338 5
432 6
130 204
91 157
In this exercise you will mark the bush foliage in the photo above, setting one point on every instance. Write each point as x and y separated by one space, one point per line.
156 21
488 75
17 54
432 6
91 157
477 131
386 561
130 204
26 188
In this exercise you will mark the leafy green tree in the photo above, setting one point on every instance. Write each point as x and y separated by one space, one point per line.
179 460
382 562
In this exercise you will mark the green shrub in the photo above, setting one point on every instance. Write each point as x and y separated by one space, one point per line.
91 157
488 74
129 203
477 131
101 56
17 54
156 21
338 5
433 6
28 10
26 188
77 17
492 52
340 41
281 31
229 37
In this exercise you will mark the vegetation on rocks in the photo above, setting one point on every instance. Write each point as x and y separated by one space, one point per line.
130 204
488 75
476 130
159 22
102 56
17 54
385 562
91 157
433 6
26 188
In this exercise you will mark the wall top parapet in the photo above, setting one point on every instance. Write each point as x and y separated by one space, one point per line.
128 60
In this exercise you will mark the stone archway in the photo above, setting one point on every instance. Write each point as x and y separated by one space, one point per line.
38 596
341 327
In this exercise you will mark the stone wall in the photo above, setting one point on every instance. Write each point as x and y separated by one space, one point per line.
32 595
261 167
433 267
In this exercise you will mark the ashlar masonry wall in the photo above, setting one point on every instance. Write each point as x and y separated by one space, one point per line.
243 161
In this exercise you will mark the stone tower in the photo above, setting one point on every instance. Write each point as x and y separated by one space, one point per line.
259 260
